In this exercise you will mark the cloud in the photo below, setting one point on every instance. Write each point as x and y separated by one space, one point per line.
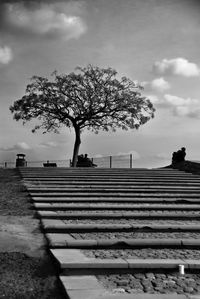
17 146
5 55
177 66
183 107
178 101
160 85
48 144
42 19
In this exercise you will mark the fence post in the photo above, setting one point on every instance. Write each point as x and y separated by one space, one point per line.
110 161
5 164
131 160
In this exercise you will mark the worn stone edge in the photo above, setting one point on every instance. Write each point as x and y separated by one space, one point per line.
88 287
74 258
54 215
62 240
59 225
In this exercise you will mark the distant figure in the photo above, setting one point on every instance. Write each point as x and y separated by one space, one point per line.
179 156
84 161
174 155
81 159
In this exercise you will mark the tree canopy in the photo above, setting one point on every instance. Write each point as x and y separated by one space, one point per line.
92 98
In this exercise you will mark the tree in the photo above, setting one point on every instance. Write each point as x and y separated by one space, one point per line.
92 98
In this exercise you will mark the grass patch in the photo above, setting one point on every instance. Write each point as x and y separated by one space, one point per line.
23 276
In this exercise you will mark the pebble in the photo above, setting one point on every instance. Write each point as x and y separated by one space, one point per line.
188 289
143 253
136 235
124 211
122 282
138 275
150 275
161 283
132 221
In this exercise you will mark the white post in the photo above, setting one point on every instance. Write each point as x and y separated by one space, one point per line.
181 269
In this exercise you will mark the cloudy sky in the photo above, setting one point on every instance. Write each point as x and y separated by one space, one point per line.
156 42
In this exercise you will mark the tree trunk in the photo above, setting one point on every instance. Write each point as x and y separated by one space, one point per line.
76 145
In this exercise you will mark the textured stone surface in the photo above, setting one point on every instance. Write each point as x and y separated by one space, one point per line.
144 253
138 234
153 283
132 221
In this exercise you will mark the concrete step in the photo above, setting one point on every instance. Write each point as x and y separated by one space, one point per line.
115 190
95 170
59 226
116 200
101 172
114 195
117 174
115 186
61 187
87 180
118 185
66 241
127 215
74 259
117 179
114 175
65 206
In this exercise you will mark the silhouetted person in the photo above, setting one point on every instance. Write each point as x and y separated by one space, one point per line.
89 162
81 159
84 161
174 157
183 153
179 156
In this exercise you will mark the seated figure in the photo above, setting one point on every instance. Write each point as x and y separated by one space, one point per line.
179 156
84 161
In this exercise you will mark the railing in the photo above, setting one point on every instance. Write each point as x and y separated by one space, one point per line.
120 161
60 163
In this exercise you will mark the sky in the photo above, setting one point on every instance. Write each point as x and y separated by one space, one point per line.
155 42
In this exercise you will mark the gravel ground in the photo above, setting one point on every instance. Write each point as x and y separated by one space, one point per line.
152 283
144 253
130 221
23 276
136 235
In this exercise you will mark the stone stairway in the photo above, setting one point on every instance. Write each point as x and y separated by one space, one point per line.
109 222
